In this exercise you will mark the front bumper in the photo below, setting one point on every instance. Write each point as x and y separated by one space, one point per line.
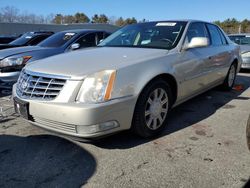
80 120
9 76
245 63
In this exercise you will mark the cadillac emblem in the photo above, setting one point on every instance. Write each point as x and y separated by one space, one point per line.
24 85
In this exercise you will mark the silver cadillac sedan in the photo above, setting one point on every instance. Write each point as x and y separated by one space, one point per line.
130 81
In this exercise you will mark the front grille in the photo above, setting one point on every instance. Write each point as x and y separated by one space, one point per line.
55 125
39 86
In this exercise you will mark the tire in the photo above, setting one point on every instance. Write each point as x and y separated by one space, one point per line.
151 110
230 79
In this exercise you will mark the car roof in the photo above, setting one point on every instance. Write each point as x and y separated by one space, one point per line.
178 20
81 31
40 32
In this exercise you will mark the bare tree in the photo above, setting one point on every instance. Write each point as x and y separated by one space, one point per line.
112 20
49 18
9 14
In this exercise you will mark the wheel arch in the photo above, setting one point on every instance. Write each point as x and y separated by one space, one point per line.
170 79
235 60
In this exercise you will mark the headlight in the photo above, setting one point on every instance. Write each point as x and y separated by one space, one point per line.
97 87
14 61
246 54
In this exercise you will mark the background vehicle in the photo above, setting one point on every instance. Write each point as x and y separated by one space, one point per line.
28 39
13 60
7 39
244 41
131 80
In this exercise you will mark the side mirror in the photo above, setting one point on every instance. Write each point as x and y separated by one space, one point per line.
197 42
75 46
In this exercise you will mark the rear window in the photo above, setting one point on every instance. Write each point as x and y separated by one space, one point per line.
215 35
223 38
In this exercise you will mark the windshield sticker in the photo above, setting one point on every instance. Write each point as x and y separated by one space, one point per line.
171 24
28 37
68 36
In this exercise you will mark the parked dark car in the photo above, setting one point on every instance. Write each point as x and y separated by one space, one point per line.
7 39
244 41
13 60
28 39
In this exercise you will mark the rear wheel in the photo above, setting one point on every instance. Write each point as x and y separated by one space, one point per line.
230 79
152 108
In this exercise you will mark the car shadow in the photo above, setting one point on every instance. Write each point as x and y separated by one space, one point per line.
247 185
43 161
184 115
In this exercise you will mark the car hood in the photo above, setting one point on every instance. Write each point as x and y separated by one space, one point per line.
19 50
244 48
83 62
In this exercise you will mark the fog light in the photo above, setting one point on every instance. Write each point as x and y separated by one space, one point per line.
97 128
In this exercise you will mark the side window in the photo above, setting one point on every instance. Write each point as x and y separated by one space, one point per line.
215 35
88 40
37 40
196 30
223 38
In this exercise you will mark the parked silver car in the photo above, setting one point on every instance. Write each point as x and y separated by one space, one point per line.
131 80
244 41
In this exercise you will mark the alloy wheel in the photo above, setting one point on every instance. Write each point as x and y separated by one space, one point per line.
156 108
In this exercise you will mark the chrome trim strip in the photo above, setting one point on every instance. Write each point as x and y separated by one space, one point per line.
47 75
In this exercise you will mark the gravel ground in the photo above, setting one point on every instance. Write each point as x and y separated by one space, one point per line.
203 146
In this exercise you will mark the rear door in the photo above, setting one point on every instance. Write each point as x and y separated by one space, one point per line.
219 57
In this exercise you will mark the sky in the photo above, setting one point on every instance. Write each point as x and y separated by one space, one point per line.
207 10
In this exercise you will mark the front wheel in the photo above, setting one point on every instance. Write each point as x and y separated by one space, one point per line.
152 108
230 79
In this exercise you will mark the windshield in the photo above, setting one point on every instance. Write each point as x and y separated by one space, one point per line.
241 40
57 40
23 39
162 35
